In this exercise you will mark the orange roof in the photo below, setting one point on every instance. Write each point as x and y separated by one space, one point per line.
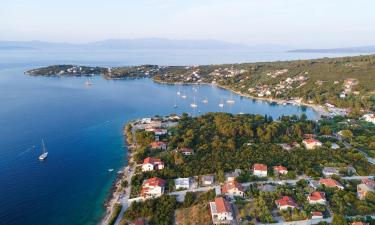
311 140
369 182
156 144
139 221
330 182
258 166
280 168
286 201
359 223
152 161
153 182
316 195
222 205
231 185
316 213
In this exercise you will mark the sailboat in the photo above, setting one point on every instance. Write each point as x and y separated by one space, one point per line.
88 82
44 155
205 101
179 91
184 96
194 105
221 104
230 101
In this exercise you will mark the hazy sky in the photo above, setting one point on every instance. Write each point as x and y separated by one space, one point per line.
302 23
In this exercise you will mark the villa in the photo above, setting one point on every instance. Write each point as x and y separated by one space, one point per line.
317 197
207 180
280 170
186 151
329 171
153 187
369 118
232 189
150 164
311 143
365 187
182 183
316 215
286 202
331 183
159 145
260 170
221 211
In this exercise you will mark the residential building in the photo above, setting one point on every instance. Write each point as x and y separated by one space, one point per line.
150 164
207 180
182 183
186 151
331 183
159 145
231 176
221 211
233 188
153 187
139 221
317 197
260 170
335 146
367 185
311 143
329 171
316 215
280 170
286 202
359 223
369 118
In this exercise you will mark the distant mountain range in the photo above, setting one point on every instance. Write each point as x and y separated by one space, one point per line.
142 43
361 49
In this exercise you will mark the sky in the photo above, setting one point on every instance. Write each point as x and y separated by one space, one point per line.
299 23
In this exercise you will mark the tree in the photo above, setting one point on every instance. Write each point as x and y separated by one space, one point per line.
339 220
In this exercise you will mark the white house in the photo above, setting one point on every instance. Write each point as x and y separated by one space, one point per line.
186 151
329 171
317 197
311 143
331 183
182 183
286 202
280 170
260 170
233 188
369 118
221 211
207 180
153 187
150 164
316 215
160 145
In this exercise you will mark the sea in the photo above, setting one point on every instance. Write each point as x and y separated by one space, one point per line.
82 127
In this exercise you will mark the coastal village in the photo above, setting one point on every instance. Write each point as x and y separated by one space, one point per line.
297 198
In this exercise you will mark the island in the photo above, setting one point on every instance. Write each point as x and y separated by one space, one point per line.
221 168
339 85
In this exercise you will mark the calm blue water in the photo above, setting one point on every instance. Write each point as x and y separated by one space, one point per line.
82 128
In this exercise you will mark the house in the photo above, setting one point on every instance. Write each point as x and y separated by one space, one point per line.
207 180
286 202
369 118
285 146
335 146
311 143
231 176
316 215
160 131
359 223
159 145
221 211
280 170
260 170
331 183
150 164
139 221
342 95
153 187
186 151
232 188
365 187
317 197
329 171
182 183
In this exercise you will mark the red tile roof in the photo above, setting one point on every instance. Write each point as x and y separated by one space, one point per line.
153 182
311 140
222 205
157 144
139 221
359 223
286 201
261 167
369 182
330 182
280 168
316 213
316 195
152 161
230 185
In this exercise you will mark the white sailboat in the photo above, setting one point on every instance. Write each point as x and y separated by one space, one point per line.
179 91
193 105
221 104
230 101
88 82
205 101
44 155
184 95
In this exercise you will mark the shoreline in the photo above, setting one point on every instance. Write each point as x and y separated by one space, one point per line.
318 108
